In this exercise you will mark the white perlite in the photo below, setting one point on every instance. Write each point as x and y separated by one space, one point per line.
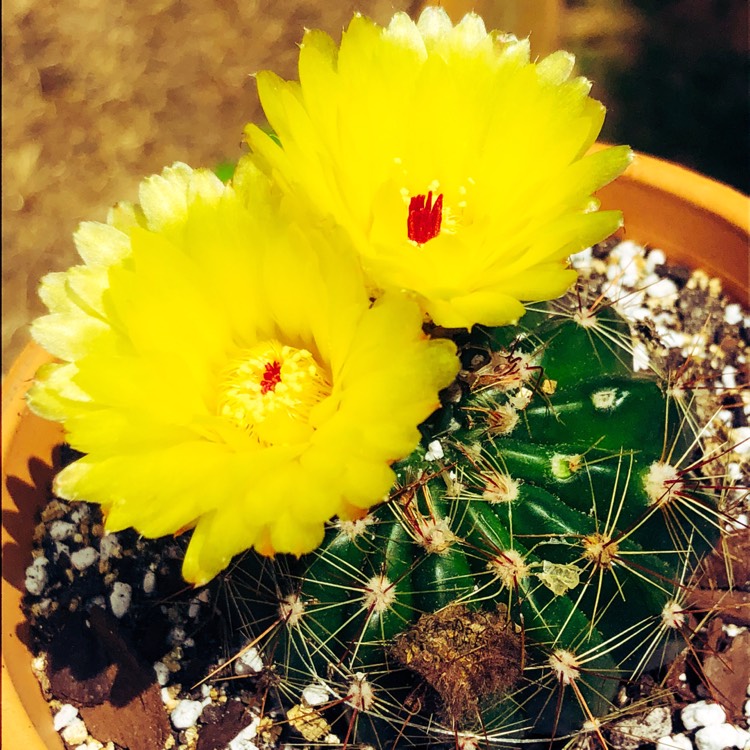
65 716
315 694
75 733
720 736
243 741
61 530
733 313
631 733
702 714
658 288
84 558
109 546
186 713
149 582
162 673
674 742
120 597
249 662
434 451
36 576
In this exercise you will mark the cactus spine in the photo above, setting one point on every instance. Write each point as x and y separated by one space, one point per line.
530 548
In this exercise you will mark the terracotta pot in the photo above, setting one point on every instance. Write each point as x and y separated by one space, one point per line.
697 221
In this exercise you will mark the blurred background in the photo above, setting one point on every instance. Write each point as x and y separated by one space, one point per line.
99 93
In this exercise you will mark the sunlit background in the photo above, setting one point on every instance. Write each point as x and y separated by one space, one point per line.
98 93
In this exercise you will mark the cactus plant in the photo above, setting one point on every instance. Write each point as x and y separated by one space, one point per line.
533 543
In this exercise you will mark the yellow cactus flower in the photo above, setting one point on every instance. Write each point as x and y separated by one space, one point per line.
223 368
457 166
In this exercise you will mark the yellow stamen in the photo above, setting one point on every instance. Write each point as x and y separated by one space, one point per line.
272 380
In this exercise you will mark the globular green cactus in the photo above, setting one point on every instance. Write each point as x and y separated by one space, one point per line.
527 562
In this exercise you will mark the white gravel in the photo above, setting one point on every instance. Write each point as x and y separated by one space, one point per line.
65 716
250 662
674 742
75 733
244 740
61 530
186 713
720 736
84 558
120 598
315 694
702 714
149 582
162 673
36 576
434 451
109 546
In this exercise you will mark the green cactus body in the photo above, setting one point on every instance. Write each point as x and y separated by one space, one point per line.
545 512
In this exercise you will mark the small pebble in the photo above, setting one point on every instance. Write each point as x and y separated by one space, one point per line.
162 673
84 558
149 582
186 714
740 438
65 716
194 609
249 662
729 377
80 513
661 289
109 546
720 736
633 732
243 740
176 636
674 742
702 714
655 258
61 530
315 694
119 599
168 699
75 733
733 313
733 630
97 601
434 451
36 576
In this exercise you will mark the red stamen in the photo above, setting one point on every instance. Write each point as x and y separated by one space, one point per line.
271 377
425 218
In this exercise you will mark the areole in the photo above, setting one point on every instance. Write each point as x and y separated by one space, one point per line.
696 221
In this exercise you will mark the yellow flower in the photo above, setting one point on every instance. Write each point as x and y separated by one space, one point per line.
456 165
223 368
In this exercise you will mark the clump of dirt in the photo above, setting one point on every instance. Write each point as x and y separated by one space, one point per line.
463 656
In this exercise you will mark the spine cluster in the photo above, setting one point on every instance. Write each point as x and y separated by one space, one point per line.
530 560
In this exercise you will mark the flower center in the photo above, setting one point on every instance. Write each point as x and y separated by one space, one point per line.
270 390
271 377
425 218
